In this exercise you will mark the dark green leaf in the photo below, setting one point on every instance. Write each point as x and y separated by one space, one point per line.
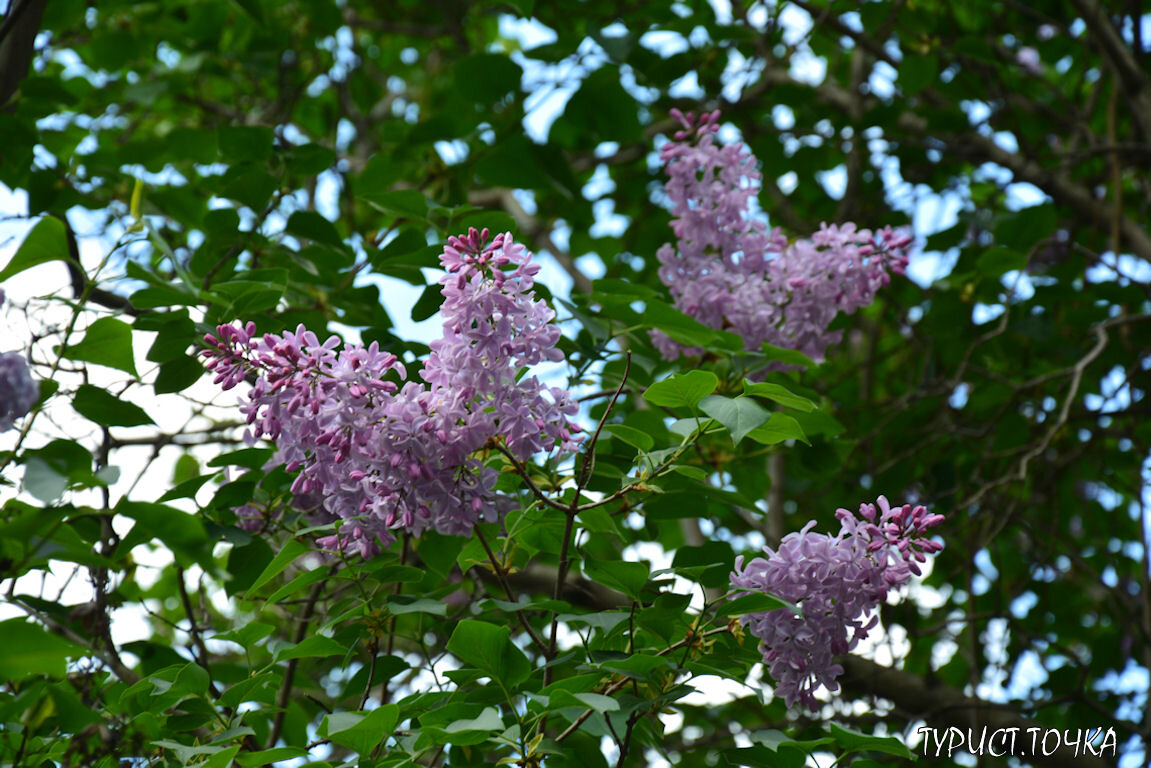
489 648
44 242
99 406
108 341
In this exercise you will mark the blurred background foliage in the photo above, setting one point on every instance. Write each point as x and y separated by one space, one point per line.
180 164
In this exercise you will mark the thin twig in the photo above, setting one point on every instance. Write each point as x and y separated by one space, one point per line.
194 630
502 578
285 694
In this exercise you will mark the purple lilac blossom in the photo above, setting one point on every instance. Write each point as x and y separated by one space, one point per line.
18 390
385 458
729 272
838 582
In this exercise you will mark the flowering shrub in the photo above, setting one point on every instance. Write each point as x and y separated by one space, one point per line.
727 271
386 458
838 581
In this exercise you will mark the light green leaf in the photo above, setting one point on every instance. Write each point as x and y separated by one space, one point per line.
31 650
362 733
740 415
401 604
489 720
779 428
779 394
316 646
682 390
630 435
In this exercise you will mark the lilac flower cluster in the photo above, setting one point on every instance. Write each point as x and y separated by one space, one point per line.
727 271
838 582
387 458
18 391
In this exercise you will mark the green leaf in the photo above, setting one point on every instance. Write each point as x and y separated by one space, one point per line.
405 202
605 621
251 458
305 579
593 701
249 634
243 143
185 753
511 163
288 555
428 304
309 159
44 242
177 375
489 648
309 225
687 330
637 665
600 110
740 415
186 489
31 650
788 356
97 405
184 534
192 679
44 482
621 575
995 262
362 733
187 467
489 720
853 741
759 602
1022 229
779 394
780 427
485 78
917 73
316 646
270 756
682 390
630 435
108 341
401 604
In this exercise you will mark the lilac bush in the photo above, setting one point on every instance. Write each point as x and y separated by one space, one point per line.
838 581
729 272
386 458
